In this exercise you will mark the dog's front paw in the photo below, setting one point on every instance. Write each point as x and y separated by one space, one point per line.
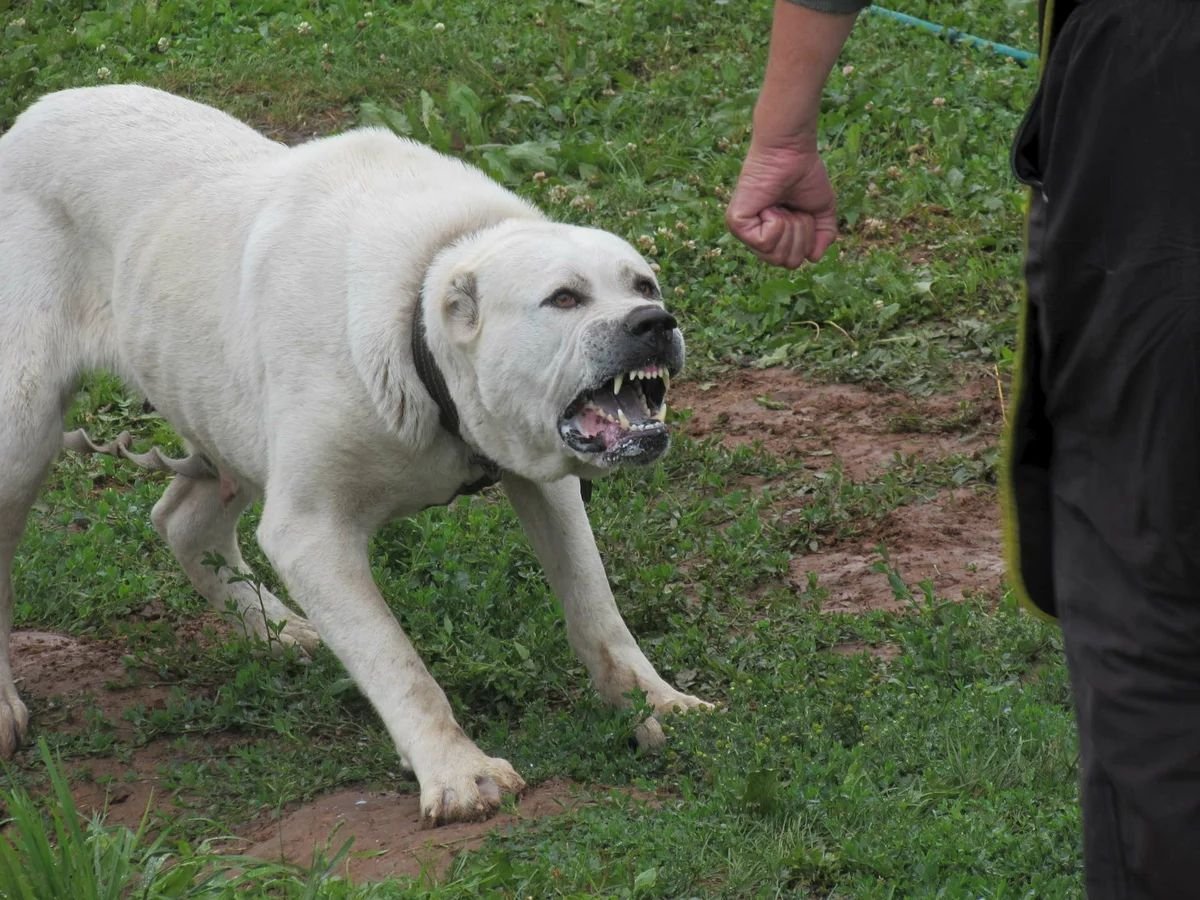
649 734
14 721
469 791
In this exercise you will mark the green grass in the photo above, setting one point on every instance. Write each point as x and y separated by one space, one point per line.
61 854
946 771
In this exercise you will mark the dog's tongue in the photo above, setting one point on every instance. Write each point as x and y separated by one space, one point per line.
593 424
610 416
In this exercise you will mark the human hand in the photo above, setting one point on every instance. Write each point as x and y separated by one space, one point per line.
783 207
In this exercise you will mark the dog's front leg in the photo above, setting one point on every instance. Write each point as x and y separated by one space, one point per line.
555 520
324 563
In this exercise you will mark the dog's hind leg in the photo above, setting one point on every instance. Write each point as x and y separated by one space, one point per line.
34 390
29 441
199 522
40 358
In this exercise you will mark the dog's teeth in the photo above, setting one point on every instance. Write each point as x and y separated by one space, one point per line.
617 382
661 415
623 419
666 379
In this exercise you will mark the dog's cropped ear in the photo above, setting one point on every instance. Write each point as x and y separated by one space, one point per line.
461 306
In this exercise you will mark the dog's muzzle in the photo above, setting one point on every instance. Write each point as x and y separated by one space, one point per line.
622 419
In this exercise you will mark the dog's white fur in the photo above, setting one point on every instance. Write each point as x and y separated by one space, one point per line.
262 299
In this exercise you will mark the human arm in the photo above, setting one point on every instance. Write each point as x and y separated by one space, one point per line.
783 207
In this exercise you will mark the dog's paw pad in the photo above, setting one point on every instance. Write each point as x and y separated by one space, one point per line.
489 792
649 736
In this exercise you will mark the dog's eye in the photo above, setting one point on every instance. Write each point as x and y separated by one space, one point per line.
562 299
646 288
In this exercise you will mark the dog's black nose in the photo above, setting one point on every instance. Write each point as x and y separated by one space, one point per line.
647 319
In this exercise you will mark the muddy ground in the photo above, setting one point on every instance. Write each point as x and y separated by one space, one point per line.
953 541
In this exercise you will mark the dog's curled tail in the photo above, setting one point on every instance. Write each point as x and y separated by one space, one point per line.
193 466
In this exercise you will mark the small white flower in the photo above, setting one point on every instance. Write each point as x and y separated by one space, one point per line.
163 44
18 23
103 73
102 48
847 70
439 27
303 28
368 15
939 101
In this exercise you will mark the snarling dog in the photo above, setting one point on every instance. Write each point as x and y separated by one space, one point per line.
352 330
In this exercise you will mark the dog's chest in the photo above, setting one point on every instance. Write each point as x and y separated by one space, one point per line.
409 486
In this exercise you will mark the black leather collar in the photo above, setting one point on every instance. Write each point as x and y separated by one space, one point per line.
435 383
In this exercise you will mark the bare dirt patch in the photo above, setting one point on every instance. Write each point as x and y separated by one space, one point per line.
73 685
953 541
73 681
863 428
388 837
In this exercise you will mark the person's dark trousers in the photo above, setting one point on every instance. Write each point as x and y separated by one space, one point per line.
1104 455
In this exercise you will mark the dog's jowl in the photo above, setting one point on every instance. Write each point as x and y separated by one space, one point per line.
351 330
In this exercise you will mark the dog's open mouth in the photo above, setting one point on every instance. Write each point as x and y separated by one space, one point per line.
624 418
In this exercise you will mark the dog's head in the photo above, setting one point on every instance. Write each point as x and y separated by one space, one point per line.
556 347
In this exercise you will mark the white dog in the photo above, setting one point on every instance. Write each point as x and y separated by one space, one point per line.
352 330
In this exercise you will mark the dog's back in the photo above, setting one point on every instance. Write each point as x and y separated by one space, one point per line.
76 169
106 153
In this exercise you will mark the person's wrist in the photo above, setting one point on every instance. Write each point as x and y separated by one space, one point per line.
791 132
781 143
